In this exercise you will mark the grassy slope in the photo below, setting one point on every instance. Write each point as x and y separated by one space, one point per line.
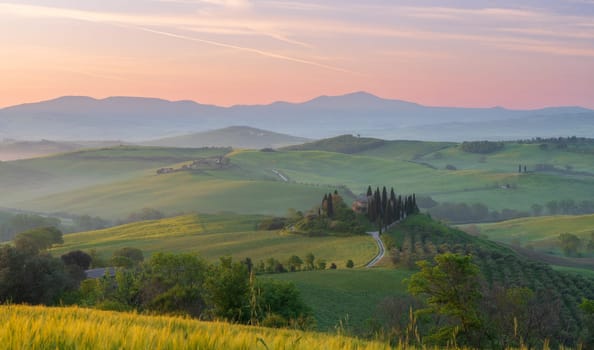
33 178
213 236
36 327
112 183
347 296
405 150
541 232
341 144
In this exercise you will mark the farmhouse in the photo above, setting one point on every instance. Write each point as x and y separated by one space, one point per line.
360 204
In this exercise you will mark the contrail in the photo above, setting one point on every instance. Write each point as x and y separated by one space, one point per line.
242 48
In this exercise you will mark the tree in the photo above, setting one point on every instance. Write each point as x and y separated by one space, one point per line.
350 264
26 276
295 263
452 290
174 283
39 238
127 257
330 208
587 309
309 261
282 298
77 257
321 264
536 209
227 290
570 243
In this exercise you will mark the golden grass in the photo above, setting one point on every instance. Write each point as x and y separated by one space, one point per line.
37 327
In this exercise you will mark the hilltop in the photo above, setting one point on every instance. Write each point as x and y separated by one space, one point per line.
233 136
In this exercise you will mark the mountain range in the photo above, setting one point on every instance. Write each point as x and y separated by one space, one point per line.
136 119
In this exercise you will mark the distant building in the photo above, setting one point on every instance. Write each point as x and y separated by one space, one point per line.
165 170
360 204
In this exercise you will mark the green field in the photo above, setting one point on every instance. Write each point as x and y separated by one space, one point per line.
112 183
540 232
213 236
347 298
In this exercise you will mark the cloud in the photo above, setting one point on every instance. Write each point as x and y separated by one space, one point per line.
246 49
233 4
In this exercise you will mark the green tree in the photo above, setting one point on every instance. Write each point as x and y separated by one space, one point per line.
295 263
452 289
350 264
39 238
570 243
127 257
26 276
282 299
227 290
536 209
587 309
174 283
309 261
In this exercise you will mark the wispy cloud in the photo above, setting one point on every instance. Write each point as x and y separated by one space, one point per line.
234 4
246 49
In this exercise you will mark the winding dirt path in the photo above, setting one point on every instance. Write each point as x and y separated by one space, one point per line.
382 249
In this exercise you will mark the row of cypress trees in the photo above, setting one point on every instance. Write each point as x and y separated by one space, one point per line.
384 209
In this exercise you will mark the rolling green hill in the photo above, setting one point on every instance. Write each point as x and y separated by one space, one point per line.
213 236
114 182
541 233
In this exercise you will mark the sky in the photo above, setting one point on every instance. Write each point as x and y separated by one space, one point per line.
518 54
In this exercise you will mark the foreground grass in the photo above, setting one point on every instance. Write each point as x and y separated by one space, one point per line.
213 236
36 327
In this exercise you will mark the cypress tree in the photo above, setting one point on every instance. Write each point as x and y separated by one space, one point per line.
369 191
384 198
377 203
330 206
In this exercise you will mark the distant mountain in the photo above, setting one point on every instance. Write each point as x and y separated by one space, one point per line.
233 136
136 119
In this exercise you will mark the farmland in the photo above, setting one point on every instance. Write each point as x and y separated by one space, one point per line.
36 327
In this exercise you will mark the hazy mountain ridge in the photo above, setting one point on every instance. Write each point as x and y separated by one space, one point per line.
138 119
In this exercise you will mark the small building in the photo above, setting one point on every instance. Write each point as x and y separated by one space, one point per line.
360 204
165 171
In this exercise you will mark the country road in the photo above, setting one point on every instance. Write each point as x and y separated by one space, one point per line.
382 249
279 174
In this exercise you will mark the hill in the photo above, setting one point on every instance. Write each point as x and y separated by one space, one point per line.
13 149
213 236
540 233
138 119
348 144
342 144
233 136
113 182
421 238
35 327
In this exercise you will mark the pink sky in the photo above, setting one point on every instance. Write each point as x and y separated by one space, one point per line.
520 54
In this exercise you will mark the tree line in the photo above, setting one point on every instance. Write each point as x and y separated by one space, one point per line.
482 147
178 284
384 209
